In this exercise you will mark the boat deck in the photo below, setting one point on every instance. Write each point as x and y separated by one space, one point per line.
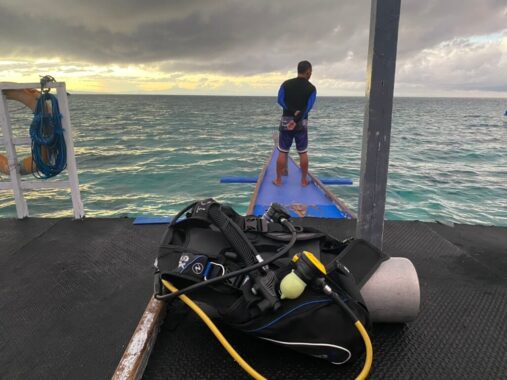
312 200
72 293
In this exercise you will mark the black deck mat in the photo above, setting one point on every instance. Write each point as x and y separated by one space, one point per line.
15 233
486 244
460 334
71 295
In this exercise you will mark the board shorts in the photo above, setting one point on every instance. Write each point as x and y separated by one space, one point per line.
298 134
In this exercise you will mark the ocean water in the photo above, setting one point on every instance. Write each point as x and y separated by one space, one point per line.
152 155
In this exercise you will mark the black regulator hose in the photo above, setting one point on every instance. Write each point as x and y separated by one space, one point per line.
239 272
234 235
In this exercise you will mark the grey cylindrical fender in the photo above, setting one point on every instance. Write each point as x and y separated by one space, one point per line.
392 293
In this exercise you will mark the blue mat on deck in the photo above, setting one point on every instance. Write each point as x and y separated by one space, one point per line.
152 220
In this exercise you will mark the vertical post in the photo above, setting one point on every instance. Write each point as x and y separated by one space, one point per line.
21 206
61 94
385 15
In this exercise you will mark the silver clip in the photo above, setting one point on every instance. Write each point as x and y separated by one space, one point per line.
218 265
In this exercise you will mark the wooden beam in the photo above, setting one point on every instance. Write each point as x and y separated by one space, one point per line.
12 159
22 86
331 195
245 179
253 198
136 355
34 185
75 193
384 21
22 141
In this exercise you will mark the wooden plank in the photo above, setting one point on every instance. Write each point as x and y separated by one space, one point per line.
244 179
15 179
136 355
341 205
33 185
75 193
385 16
253 198
22 141
22 86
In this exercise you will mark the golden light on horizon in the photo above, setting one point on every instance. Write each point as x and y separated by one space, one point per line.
142 78
437 70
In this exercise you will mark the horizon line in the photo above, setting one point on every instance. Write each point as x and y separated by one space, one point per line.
274 96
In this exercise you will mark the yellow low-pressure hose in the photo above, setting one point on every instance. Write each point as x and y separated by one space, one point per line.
369 351
191 304
252 372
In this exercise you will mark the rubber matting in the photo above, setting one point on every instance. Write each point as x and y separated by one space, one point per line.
460 333
71 294
14 233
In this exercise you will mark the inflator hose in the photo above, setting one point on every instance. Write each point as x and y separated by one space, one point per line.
369 351
362 331
237 357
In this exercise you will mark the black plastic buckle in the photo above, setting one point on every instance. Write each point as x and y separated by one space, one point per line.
254 224
201 208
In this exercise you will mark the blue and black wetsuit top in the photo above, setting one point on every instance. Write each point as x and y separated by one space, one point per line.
297 94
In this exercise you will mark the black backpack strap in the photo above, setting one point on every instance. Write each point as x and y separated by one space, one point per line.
201 209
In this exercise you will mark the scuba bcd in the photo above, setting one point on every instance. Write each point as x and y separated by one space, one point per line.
266 277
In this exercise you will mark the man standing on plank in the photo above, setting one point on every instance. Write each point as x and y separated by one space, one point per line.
297 97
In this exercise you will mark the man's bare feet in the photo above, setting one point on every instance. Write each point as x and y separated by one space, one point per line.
277 182
304 182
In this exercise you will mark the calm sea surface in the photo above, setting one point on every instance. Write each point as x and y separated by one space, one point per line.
151 155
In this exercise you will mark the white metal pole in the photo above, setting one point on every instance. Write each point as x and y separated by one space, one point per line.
21 206
77 204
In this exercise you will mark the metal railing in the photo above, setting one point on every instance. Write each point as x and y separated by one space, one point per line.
15 183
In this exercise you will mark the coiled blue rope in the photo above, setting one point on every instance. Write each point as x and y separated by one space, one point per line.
49 151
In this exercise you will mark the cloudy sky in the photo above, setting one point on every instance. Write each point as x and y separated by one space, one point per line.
247 47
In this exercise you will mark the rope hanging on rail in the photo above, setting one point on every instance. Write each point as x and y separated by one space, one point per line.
49 151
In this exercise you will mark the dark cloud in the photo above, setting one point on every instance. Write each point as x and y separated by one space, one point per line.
426 23
232 36
222 35
459 65
224 32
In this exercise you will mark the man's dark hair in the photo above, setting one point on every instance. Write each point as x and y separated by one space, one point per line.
303 66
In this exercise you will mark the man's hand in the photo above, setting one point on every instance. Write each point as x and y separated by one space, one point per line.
291 125
297 116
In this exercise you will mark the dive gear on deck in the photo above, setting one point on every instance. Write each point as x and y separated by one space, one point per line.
233 265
